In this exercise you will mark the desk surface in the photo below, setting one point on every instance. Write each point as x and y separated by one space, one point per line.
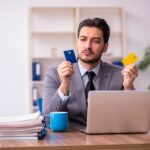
75 140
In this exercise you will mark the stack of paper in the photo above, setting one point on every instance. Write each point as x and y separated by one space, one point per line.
31 125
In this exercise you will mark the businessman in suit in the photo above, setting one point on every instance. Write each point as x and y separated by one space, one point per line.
66 86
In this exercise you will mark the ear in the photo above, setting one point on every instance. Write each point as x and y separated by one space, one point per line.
105 48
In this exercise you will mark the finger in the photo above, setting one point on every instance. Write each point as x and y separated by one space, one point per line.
65 65
135 69
67 73
131 68
129 74
126 75
67 69
132 71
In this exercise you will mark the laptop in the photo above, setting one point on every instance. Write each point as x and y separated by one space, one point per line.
118 112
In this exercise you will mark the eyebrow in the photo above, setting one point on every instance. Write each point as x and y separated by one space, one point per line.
82 36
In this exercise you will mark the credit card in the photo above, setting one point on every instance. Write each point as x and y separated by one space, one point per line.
131 58
70 56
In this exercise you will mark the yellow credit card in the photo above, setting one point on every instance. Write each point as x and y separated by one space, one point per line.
132 58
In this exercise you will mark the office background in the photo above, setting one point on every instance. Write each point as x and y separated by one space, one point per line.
14 45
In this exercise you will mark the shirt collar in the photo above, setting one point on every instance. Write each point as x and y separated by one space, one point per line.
83 70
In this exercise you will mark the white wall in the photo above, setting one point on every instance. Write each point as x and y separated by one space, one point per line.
14 45
13 54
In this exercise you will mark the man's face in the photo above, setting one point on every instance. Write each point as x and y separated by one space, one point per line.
90 44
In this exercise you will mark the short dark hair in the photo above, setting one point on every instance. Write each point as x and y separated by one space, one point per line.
98 23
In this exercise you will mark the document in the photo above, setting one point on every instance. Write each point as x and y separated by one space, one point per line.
30 125
20 118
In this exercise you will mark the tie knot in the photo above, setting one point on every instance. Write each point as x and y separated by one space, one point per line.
91 75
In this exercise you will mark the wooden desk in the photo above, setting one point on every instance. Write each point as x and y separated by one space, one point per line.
74 140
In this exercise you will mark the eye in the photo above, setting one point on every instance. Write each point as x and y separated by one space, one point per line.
97 41
82 39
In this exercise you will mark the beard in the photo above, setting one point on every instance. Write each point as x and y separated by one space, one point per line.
92 61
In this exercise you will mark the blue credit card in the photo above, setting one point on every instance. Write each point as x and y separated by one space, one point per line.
70 56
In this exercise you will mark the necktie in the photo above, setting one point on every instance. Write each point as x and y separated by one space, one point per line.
90 86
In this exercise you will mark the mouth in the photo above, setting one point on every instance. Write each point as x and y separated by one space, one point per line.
87 52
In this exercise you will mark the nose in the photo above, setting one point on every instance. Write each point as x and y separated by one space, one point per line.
88 45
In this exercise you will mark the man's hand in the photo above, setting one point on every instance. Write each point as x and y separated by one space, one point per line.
129 73
65 71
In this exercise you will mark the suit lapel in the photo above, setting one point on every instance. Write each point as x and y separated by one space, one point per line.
77 86
78 89
105 76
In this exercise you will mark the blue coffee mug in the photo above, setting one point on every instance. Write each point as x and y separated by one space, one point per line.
59 121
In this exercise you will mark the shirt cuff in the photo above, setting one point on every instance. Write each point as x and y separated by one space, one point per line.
62 96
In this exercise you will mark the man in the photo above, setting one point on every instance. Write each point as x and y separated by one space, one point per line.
66 85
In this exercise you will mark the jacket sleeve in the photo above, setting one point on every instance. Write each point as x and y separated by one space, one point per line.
52 101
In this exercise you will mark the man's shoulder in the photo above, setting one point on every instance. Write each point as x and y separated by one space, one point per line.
52 70
114 72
